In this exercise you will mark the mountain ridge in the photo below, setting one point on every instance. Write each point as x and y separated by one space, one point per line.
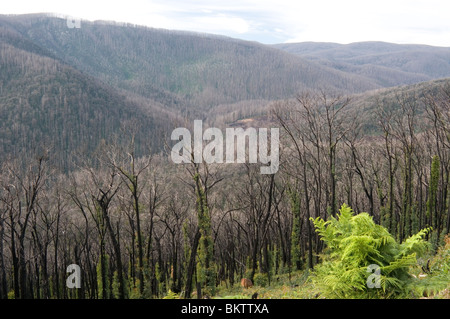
73 88
388 64
190 66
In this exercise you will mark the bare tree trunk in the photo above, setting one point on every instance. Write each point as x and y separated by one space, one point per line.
104 204
3 281
191 265
15 260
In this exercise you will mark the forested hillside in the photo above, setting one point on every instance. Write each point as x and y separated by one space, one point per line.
167 75
50 105
387 64
86 176
87 83
146 227
202 70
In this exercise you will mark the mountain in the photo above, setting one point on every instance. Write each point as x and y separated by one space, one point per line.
46 103
180 69
387 64
365 106
72 89
363 109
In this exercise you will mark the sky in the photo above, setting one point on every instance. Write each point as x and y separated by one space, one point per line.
269 21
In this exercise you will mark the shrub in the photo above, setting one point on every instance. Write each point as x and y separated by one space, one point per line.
171 295
11 295
436 283
261 280
354 242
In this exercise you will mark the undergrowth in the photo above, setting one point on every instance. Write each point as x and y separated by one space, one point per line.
355 246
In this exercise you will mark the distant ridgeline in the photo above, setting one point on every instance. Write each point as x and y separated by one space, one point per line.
69 89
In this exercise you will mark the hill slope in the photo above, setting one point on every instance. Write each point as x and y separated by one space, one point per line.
387 64
177 68
70 89
44 102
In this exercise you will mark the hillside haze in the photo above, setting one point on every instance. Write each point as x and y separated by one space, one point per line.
386 64
72 88
202 69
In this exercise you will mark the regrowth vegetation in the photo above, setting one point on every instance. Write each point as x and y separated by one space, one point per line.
80 184
355 247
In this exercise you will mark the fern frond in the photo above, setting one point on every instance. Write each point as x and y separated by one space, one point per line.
355 242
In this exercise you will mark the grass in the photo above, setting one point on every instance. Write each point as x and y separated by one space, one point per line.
431 284
295 286
298 287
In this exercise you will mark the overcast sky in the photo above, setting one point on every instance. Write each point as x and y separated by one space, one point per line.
269 21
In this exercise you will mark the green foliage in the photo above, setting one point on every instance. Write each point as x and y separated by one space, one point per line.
296 230
160 277
441 262
437 278
134 290
115 286
434 180
286 286
353 243
11 295
206 273
385 216
431 202
171 295
261 279
233 297
100 281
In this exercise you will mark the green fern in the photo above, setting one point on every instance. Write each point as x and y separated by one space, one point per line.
171 295
353 243
437 279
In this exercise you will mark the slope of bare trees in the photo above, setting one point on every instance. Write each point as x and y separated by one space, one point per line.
139 226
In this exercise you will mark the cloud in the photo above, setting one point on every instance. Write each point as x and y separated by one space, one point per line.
270 21
400 21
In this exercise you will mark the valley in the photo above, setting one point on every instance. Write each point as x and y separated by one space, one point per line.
88 117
